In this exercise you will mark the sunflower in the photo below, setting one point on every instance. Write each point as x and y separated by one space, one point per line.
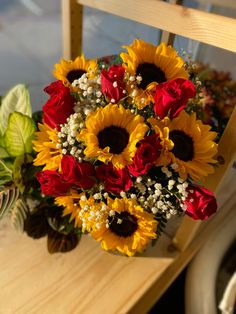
155 65
46 146
68 71
86 212
128 230
71 206
188 143
111 135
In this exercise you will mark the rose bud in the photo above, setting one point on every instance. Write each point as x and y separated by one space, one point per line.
201 203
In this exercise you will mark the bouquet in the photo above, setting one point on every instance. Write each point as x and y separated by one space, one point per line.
118 152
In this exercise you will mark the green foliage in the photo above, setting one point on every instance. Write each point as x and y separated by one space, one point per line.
5 173
8 197
16 133
17 99
19 213
19 134
21 170
37 117
3 153
162 221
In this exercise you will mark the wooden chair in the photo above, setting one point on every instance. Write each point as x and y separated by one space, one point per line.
89 280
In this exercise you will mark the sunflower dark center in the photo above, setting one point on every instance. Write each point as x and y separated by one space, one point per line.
150 73
74 75
114 137
123 224
183 145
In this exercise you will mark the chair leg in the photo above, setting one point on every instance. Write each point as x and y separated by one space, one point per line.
72 21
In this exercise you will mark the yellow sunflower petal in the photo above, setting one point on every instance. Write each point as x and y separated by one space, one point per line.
187 142
138 235
68 71
162 62
111 135
45 144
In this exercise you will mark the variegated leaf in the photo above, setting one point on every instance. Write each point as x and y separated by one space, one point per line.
19 214
8 198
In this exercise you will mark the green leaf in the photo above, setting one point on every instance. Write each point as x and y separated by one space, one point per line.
19 134
5 173
19 213
1 141
7 199
17 99
22 169
3 153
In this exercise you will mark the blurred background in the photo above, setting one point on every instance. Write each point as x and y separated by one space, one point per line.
31 41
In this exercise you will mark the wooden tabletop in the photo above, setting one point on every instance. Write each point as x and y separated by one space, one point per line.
88 279
85 280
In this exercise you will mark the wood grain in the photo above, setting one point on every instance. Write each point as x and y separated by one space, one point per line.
86 280
226 154
205 27
166 36
72 21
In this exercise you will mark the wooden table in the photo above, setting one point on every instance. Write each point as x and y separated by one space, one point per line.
85 280
89 280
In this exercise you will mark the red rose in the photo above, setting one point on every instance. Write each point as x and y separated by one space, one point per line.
60 105
52 183
146 155
81 174
112 82
200 202
115 180
172 96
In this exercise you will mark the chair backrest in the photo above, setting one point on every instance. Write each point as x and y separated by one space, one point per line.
173 19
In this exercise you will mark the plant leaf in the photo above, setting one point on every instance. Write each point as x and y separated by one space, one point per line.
7 199
19 134
3 153
17 99
5 173
36 225
58 242
19 213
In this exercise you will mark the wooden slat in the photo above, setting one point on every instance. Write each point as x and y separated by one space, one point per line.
72 20
227 153
205 27
166 36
